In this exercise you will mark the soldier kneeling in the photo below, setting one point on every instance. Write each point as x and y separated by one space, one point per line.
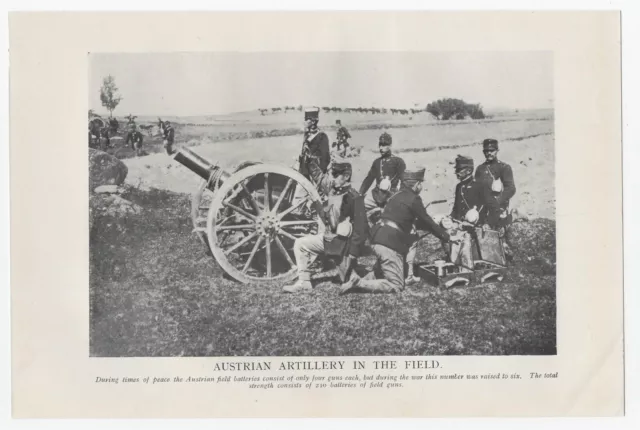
392 238
345 225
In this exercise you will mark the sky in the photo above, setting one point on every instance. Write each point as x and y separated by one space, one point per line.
185 84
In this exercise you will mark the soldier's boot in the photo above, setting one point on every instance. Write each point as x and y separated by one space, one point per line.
299 287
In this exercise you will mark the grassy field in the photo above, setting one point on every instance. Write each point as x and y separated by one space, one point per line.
154 291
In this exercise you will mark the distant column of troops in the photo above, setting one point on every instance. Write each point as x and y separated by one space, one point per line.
481 199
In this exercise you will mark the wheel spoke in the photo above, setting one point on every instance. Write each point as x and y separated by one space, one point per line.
236 227
287 234
267 195
301 222
240 211
292 208
268 246
282 194
284 251
239 244
253 253
250 198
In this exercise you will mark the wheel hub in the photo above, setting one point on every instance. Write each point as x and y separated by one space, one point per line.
267 225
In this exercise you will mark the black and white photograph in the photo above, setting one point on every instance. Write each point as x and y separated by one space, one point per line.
322 204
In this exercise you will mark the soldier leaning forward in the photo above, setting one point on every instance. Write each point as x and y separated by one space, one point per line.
497 180
386 171
391 237
344 221
315 145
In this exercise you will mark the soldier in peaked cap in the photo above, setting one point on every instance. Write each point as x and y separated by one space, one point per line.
315 147
468 211
345 225
392 236
497 179
386 171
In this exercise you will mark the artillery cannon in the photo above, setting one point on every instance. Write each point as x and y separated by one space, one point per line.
250 218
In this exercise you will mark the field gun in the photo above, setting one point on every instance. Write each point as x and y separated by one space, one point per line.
248 219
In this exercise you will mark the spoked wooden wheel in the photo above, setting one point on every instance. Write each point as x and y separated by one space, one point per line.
200 204
254 219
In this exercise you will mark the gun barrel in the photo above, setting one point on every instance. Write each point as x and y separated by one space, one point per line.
198 165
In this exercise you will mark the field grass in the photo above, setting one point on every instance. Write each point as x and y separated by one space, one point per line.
154 292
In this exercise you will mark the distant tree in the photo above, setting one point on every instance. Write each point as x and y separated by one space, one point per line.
454 108
109 95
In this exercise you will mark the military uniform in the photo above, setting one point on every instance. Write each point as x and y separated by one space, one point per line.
168 135
386 166
496 203
469 194
392 238
341 204
315 147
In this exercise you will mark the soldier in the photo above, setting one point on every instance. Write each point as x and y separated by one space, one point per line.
468 211
343 216
315 144
341 147
386 171
168 134
131 131
499 187
392 237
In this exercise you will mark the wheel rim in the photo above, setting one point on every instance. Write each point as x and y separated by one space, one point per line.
254 219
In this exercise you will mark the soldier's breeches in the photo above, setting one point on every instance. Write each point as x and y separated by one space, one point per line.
391 264
306 249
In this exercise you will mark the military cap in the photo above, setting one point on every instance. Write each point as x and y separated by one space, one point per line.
340 168
490 144
463 162
385 139
311 113
413 175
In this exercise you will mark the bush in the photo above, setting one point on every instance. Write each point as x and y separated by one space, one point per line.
446 109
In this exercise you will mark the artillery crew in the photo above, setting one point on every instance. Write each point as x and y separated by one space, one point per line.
497 179
386 171
392 236
315 147
345 225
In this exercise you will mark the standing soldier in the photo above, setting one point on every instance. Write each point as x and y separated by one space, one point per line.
168 134
497 179
315 145
342 145
345 224
131 131
387 171
392 236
